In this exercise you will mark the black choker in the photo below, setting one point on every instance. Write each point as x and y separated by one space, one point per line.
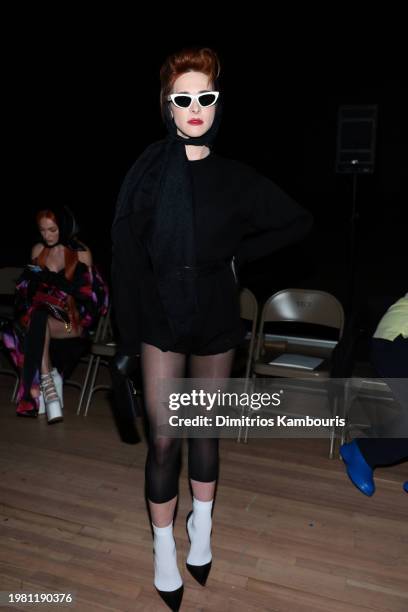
51 246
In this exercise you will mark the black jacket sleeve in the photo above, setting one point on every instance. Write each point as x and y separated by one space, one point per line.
274 221
126 285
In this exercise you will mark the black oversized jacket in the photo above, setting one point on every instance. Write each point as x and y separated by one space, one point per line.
238 213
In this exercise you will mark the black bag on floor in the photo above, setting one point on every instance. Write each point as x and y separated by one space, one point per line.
125 373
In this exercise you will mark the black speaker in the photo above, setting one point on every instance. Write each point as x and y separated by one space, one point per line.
356 136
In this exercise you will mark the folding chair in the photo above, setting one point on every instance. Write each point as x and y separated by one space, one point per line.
306 307
103 337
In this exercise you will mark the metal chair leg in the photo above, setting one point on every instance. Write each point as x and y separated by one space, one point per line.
347 401
247 380
85 385
333 429
92 384
252 382
16 384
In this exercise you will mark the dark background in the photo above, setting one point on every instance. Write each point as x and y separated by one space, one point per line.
84 94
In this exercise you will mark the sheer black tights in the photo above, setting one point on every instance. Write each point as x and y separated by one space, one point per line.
163 458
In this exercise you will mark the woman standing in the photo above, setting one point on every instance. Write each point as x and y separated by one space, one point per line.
183 214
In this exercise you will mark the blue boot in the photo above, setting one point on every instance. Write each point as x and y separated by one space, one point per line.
358 470
405 486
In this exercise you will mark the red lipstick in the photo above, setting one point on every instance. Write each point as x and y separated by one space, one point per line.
195 122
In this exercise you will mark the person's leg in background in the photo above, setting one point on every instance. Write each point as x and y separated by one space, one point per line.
51 380
363 455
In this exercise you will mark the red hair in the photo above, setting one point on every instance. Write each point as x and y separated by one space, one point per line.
46 214
71 257
188 60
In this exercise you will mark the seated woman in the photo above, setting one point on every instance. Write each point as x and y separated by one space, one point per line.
389 355
59 295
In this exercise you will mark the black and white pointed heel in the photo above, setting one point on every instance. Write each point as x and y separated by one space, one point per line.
167 580
172 599
198 572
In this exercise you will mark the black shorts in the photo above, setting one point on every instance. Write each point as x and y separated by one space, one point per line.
217 326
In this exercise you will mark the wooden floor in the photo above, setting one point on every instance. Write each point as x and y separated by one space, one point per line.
291 534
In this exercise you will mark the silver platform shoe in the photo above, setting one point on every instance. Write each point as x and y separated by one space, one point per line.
58 382
52 402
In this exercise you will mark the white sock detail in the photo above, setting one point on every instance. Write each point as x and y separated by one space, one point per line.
199 529
166 573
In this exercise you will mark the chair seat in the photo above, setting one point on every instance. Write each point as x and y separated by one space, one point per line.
264 368
309 308
104 350
368 387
